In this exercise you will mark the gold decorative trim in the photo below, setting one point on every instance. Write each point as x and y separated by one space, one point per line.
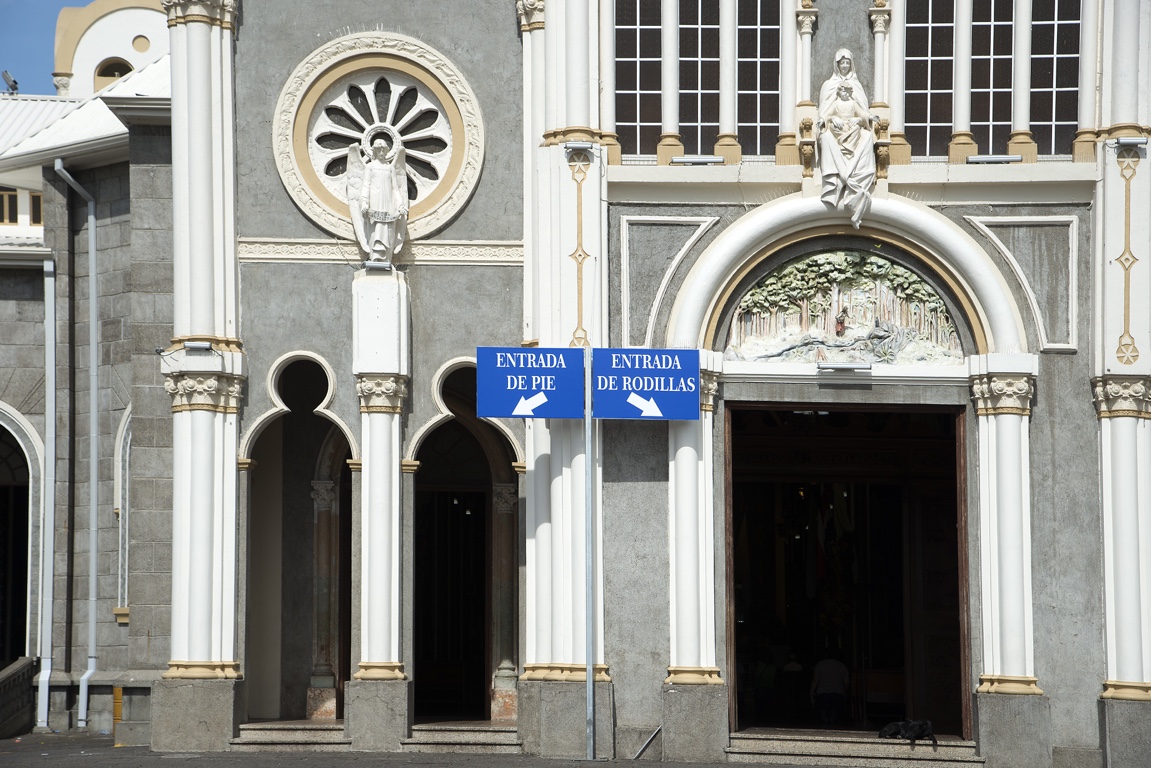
356 465
1084 146
1128 160
961 147
558 136
245 465
203 670
409 466
1126 691
380 670
1122 396
219 343
693 676
564 673
122 615
1009 684
198 391
708 390
530 343
579 162
670 145
1023 144
520 467
381 393
1002 394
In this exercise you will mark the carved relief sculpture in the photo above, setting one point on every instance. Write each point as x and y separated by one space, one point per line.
846 140
378 197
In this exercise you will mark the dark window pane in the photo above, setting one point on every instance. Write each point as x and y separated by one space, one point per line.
1067 39
745 108
710 42
649 12
980 39
917 42
981 10
1001 74
769 76
1002 42
1043 10
745 13
649 75
941 75
688 109
916 76
688 42
1042 108
1064 138
648 139
625 11
649 109
649 42
1069 9
625 108
745 75
942 41
916 106
1001 107
747 43
918 12
710 12
980 108
940 108
1042 73
688 76
1067 73
980 72
688 12
1042 136
625 79
625 44
917 138
709 107
1067 106
1043 40
1004 10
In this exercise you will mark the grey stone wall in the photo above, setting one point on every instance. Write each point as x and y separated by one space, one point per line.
479 37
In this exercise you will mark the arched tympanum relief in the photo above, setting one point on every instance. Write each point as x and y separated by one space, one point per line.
843 306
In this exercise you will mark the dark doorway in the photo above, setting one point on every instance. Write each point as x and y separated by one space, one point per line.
452 573
845 542
13 550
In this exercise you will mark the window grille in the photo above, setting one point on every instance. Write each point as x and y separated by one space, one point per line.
928 72
1054 74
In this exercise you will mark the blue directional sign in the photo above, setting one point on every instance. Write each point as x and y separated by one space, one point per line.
529 383
645 384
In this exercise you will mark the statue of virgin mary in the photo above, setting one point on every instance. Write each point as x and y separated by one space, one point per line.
846 140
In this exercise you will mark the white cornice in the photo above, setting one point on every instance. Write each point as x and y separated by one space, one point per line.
427 252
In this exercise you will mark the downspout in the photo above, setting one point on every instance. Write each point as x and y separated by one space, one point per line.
93 434
48 496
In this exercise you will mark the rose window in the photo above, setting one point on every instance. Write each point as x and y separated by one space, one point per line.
381 105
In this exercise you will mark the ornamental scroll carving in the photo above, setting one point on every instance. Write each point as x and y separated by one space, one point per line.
219 392
708 389
381 393
1002 394
531 13
210 11
1117 396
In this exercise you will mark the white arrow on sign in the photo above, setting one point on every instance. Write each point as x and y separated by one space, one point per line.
526 406
646 407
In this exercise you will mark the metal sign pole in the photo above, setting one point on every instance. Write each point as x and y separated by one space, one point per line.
589 551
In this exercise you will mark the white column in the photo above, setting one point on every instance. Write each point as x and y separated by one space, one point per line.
1124 81
896 84
205 383
691 551
962 143
805 23
1021 141
880 21
608 136
1124 407
1083 150
727 142
670 142
381 333
1002 387
786 150
578 90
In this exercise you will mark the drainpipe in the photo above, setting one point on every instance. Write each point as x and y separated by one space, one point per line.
93 434
48 495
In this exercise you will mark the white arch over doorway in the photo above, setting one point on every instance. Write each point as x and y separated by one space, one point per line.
31 444
959 256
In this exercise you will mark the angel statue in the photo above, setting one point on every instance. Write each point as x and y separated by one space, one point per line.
378 198
846 140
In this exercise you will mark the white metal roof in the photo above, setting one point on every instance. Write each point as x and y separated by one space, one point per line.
23 116
153 81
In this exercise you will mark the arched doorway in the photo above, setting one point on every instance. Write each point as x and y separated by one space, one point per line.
465 524
299 558
13 549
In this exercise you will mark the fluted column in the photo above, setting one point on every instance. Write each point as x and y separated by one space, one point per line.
204 367
692 560
1123 404
1002 387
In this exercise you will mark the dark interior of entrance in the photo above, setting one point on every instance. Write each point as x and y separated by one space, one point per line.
844 530
13 549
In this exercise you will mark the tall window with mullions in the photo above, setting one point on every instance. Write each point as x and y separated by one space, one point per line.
929 66
698 75
758 75
637 75
1054 75
992 44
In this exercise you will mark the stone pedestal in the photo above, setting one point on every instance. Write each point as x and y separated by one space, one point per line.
1013 730
1126 735
695 723
553 719
378 714
196 715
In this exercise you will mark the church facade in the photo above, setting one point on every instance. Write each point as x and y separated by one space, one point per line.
239 441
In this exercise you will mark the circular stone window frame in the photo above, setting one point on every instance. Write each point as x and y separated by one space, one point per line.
361 51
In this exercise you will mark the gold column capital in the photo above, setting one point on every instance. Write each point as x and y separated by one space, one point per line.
1000 394
381 392
203 391
1118 396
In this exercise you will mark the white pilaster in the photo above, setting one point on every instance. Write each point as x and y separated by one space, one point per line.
880 21
897 84
691 545
381 333
1002 386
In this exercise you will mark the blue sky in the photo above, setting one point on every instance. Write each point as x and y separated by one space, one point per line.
27 37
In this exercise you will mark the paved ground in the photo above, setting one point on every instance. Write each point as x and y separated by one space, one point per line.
69 750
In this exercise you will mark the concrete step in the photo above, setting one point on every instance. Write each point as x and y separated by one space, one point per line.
292 736
855 749
465 738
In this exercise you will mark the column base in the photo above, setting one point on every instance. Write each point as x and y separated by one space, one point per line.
196 715
203 670
1013 730
693 676
378 714
962 146
553 719
900 150
787 150
1126 691
727 146
380 670
564 673
695 722
321 703
1126 737
610 142
670 145
1022 143
1083 148
1009 684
